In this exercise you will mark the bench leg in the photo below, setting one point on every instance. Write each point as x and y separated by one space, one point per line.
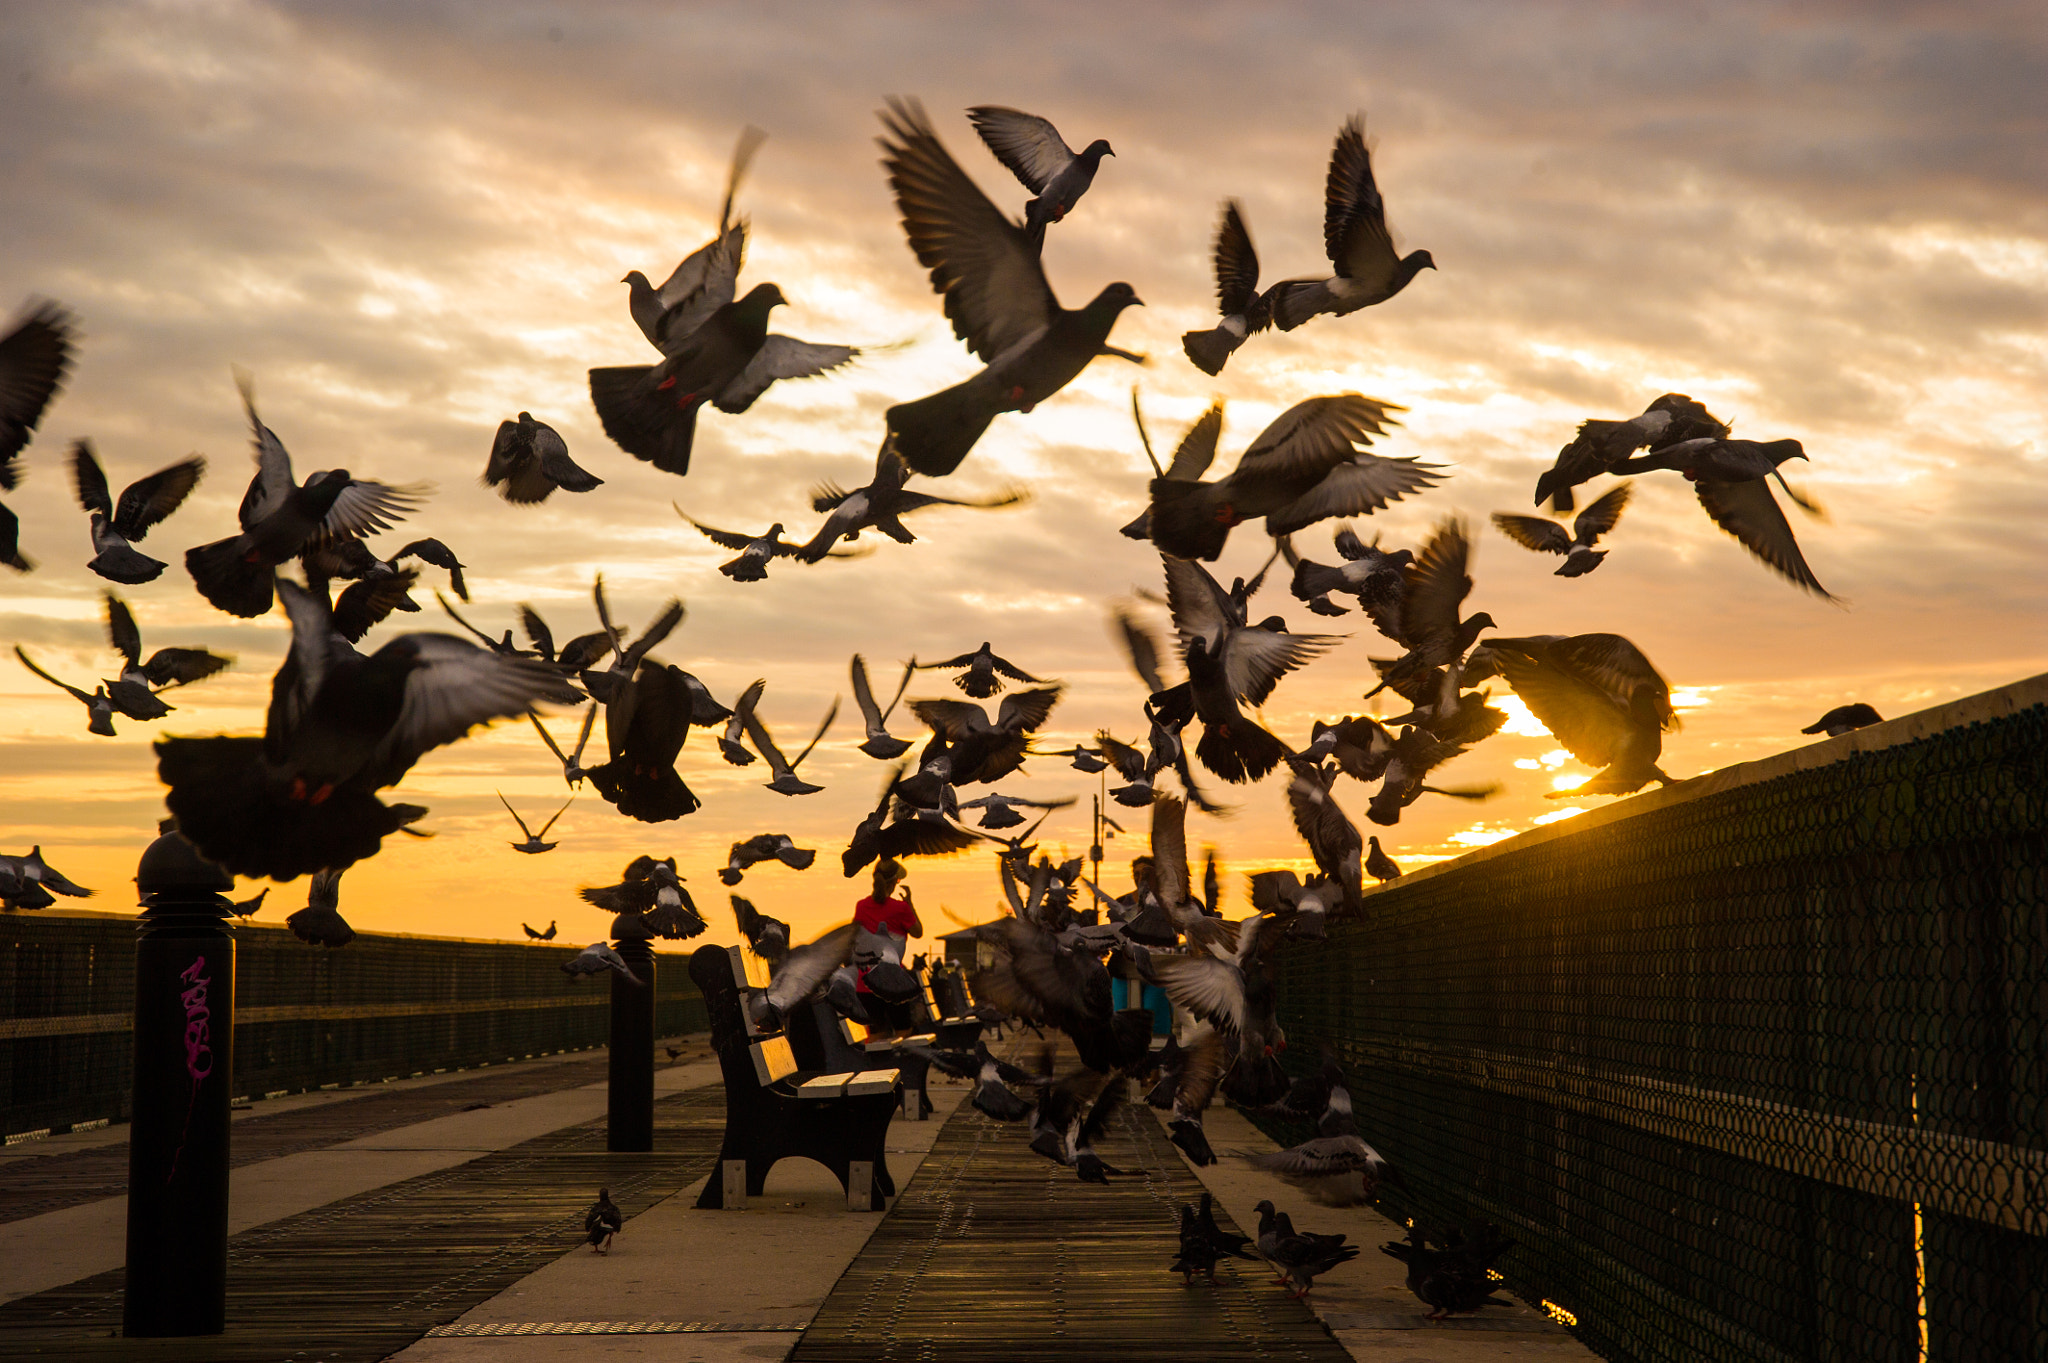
734 1173
860 1185
914 1108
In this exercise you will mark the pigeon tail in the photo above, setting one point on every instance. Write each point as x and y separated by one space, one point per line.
127 566
1210 350
1240 751
933 434
654 798
229 580
1186 520
1193 1142
650 426
220 797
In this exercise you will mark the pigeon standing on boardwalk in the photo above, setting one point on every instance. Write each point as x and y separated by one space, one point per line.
1355 235
1844 719
1298 1256
1452 1280
144 503
529 460
987 269
1203 1243
602 1222
1041 159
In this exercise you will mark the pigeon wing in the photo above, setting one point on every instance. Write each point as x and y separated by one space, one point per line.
1197 449
1316 435
1354 218
1023 711
453 686
35 357
1579 714
781 357
90 480
1200 609
365 508
724 539
1438 583
985 266
1208 988
1751 514
1534 532
273 481
1255 660
148 500
1141 647
1029 145
1602 516
168 666
1237 264
1359 487
29 663
121 630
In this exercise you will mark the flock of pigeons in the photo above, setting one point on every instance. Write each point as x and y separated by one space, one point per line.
343 724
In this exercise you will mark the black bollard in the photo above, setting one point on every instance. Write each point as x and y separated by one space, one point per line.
184 1064
629 1121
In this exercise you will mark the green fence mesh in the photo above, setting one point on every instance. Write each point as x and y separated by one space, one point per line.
1759 1074
384 1006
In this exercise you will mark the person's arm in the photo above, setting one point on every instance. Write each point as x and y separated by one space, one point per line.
916 926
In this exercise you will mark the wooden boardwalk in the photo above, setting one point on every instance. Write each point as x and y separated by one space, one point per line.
994 1253
354 1281
35 1184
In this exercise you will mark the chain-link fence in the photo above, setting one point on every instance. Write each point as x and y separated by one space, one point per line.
1758 1072
384 1006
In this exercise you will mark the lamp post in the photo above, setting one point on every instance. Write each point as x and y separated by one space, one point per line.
629 1115
183 1081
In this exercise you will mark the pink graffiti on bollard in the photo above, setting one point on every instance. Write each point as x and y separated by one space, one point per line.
198 1054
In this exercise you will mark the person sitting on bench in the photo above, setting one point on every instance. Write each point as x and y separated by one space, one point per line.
882 929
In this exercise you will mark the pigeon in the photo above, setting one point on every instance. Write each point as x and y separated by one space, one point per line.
1302 909
1299 1257
987 269
645 725
1730 478
705 279
579 653
1369 573
715 349
1844 719
1335 1166
1083 758
1601 444
529 460
1548 537
602 1222
1203 1242
609 684
1417 752
675 1053
729 744
281 517
653 890
99 706
1309 464
1191 458
29 882
766 937
1602 700
1245 311
801 973
1355 235
246 908
755 551
10 543
783 770
1187 1085
1002 809
1039 157
341 726
595 958
533 841
995 1081
133 692
320 923
353 559
985 671
906 834
1378 864
1229 986
1424 619
572 764
1333 840
1455 1279
882 504
143 503
1072 1115
35 359
547 936
979 750
879 743
765 847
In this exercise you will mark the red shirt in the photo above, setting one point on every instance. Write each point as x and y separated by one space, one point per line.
895 916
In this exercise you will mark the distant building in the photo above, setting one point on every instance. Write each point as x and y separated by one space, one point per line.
971 948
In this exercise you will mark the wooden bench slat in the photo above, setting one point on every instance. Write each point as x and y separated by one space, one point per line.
871 1081
824 1086
772 1059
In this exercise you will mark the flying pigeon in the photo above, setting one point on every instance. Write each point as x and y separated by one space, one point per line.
1040 158
1600 444
879 743
533 841
320 923
882 504
985 671
1355 235
529 460
144 503
134 691
1548 537
28 882
765 847
595 958
783 770
986 267
1245 310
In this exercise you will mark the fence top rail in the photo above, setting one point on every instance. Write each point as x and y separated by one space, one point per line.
67 913
1997 703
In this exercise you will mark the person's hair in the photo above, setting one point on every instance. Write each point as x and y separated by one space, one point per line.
888 874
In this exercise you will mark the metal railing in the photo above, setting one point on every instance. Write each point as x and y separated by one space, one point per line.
1754 1067
385 1006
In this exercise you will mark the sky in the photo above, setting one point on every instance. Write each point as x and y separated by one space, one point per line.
409 221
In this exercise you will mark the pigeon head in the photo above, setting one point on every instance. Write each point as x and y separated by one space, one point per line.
1419 260
1116 298
1095 151
637 280
761 298
1781 450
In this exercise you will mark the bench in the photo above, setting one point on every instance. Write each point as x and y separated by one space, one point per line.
775 1111
946 1008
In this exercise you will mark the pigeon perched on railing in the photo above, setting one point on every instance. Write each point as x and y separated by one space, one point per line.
537 935
1844 719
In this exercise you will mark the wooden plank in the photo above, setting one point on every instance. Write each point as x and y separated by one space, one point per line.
824 1086
871 1081
773 1059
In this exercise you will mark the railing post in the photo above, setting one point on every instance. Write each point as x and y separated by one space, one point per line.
629 1121
183 1081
